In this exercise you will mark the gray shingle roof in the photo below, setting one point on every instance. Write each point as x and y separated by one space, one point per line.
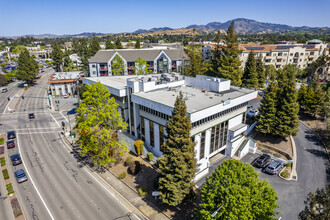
130 55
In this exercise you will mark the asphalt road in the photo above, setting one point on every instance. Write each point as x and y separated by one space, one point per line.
59 187
313 172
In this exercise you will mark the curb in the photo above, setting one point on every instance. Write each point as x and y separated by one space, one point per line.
68 146
293 175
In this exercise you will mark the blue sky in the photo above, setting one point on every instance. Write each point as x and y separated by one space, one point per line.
19 17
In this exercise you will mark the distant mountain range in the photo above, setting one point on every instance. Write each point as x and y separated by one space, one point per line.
242 26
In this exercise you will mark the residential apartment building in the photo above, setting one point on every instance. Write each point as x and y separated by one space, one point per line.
63 83
215 108
164 60
301 55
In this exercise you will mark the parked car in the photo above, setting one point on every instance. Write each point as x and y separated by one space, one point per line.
262 160
11 135
274 167
4 90
31 115
249 107
72 111
66 95
10 144
252 113
16 159
20 175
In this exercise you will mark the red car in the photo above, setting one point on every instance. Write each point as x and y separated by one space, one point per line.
10 144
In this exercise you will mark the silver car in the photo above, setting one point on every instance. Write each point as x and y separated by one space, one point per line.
274 167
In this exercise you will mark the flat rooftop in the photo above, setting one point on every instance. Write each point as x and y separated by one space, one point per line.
116 82
196 99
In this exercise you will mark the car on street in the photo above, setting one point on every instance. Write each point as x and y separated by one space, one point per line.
10 144
249 107
274 167
262 160
11 135
16 159
4 90
31 115
72 111
252 113
20 175
66 95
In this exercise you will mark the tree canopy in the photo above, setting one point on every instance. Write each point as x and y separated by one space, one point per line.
94 46
250 76
57 57
27 67
117 66
234 191
178 165
109 44
98 123
195 65
141 67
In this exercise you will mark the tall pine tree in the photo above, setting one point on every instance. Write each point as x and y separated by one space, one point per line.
287 105
260 72
230 64
196 64
84 53
215 63
109 44
68 63
27 67
178 165
250 76
118 44
57 57
137 44
267 111
94 46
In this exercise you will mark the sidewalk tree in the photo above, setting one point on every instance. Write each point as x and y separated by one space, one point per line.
260 72
27 67
137 44
250 76
267 110
109 44
141 67
98 121
230 64
117 66
94 46
235 192
287 105
178 165
57 57
317 205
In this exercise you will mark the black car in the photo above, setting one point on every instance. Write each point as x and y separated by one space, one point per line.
16 159
11 135
31 116
263 160
10 144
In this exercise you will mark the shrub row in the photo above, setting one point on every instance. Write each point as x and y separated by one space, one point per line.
5 174
2 161
16 207
10 188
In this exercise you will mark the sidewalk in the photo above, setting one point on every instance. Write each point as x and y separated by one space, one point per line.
127 195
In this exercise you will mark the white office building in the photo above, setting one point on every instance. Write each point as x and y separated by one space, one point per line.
216 110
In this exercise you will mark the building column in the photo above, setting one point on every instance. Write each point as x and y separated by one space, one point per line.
147 130
156 136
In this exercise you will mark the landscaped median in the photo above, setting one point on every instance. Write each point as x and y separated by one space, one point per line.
17 211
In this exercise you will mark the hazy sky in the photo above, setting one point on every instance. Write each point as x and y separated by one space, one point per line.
20 17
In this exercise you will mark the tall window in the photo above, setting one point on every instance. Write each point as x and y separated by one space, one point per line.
131 111
151 129
225 133
161 135
217 137
142 129
212 148
202 148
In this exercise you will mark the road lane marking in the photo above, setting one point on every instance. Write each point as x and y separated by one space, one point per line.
27 171
35 128
41 132
64 117
55 120
8 104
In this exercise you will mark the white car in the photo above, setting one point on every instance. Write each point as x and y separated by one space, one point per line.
66 95
252 113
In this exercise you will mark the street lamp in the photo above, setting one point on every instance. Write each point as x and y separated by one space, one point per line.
216 212
71 135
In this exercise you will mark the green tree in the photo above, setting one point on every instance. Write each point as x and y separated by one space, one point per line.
10 75
141 67
118 44
230 64
302 95
83 53
109 44
195 65
287 105
261 72
250 76
3 80
57 57
270 72
315 99
117 66
178 165
137 44
94 46
19 49
267 111
3 64
235 192
98 122
317 205
68 63
214 70
27 67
